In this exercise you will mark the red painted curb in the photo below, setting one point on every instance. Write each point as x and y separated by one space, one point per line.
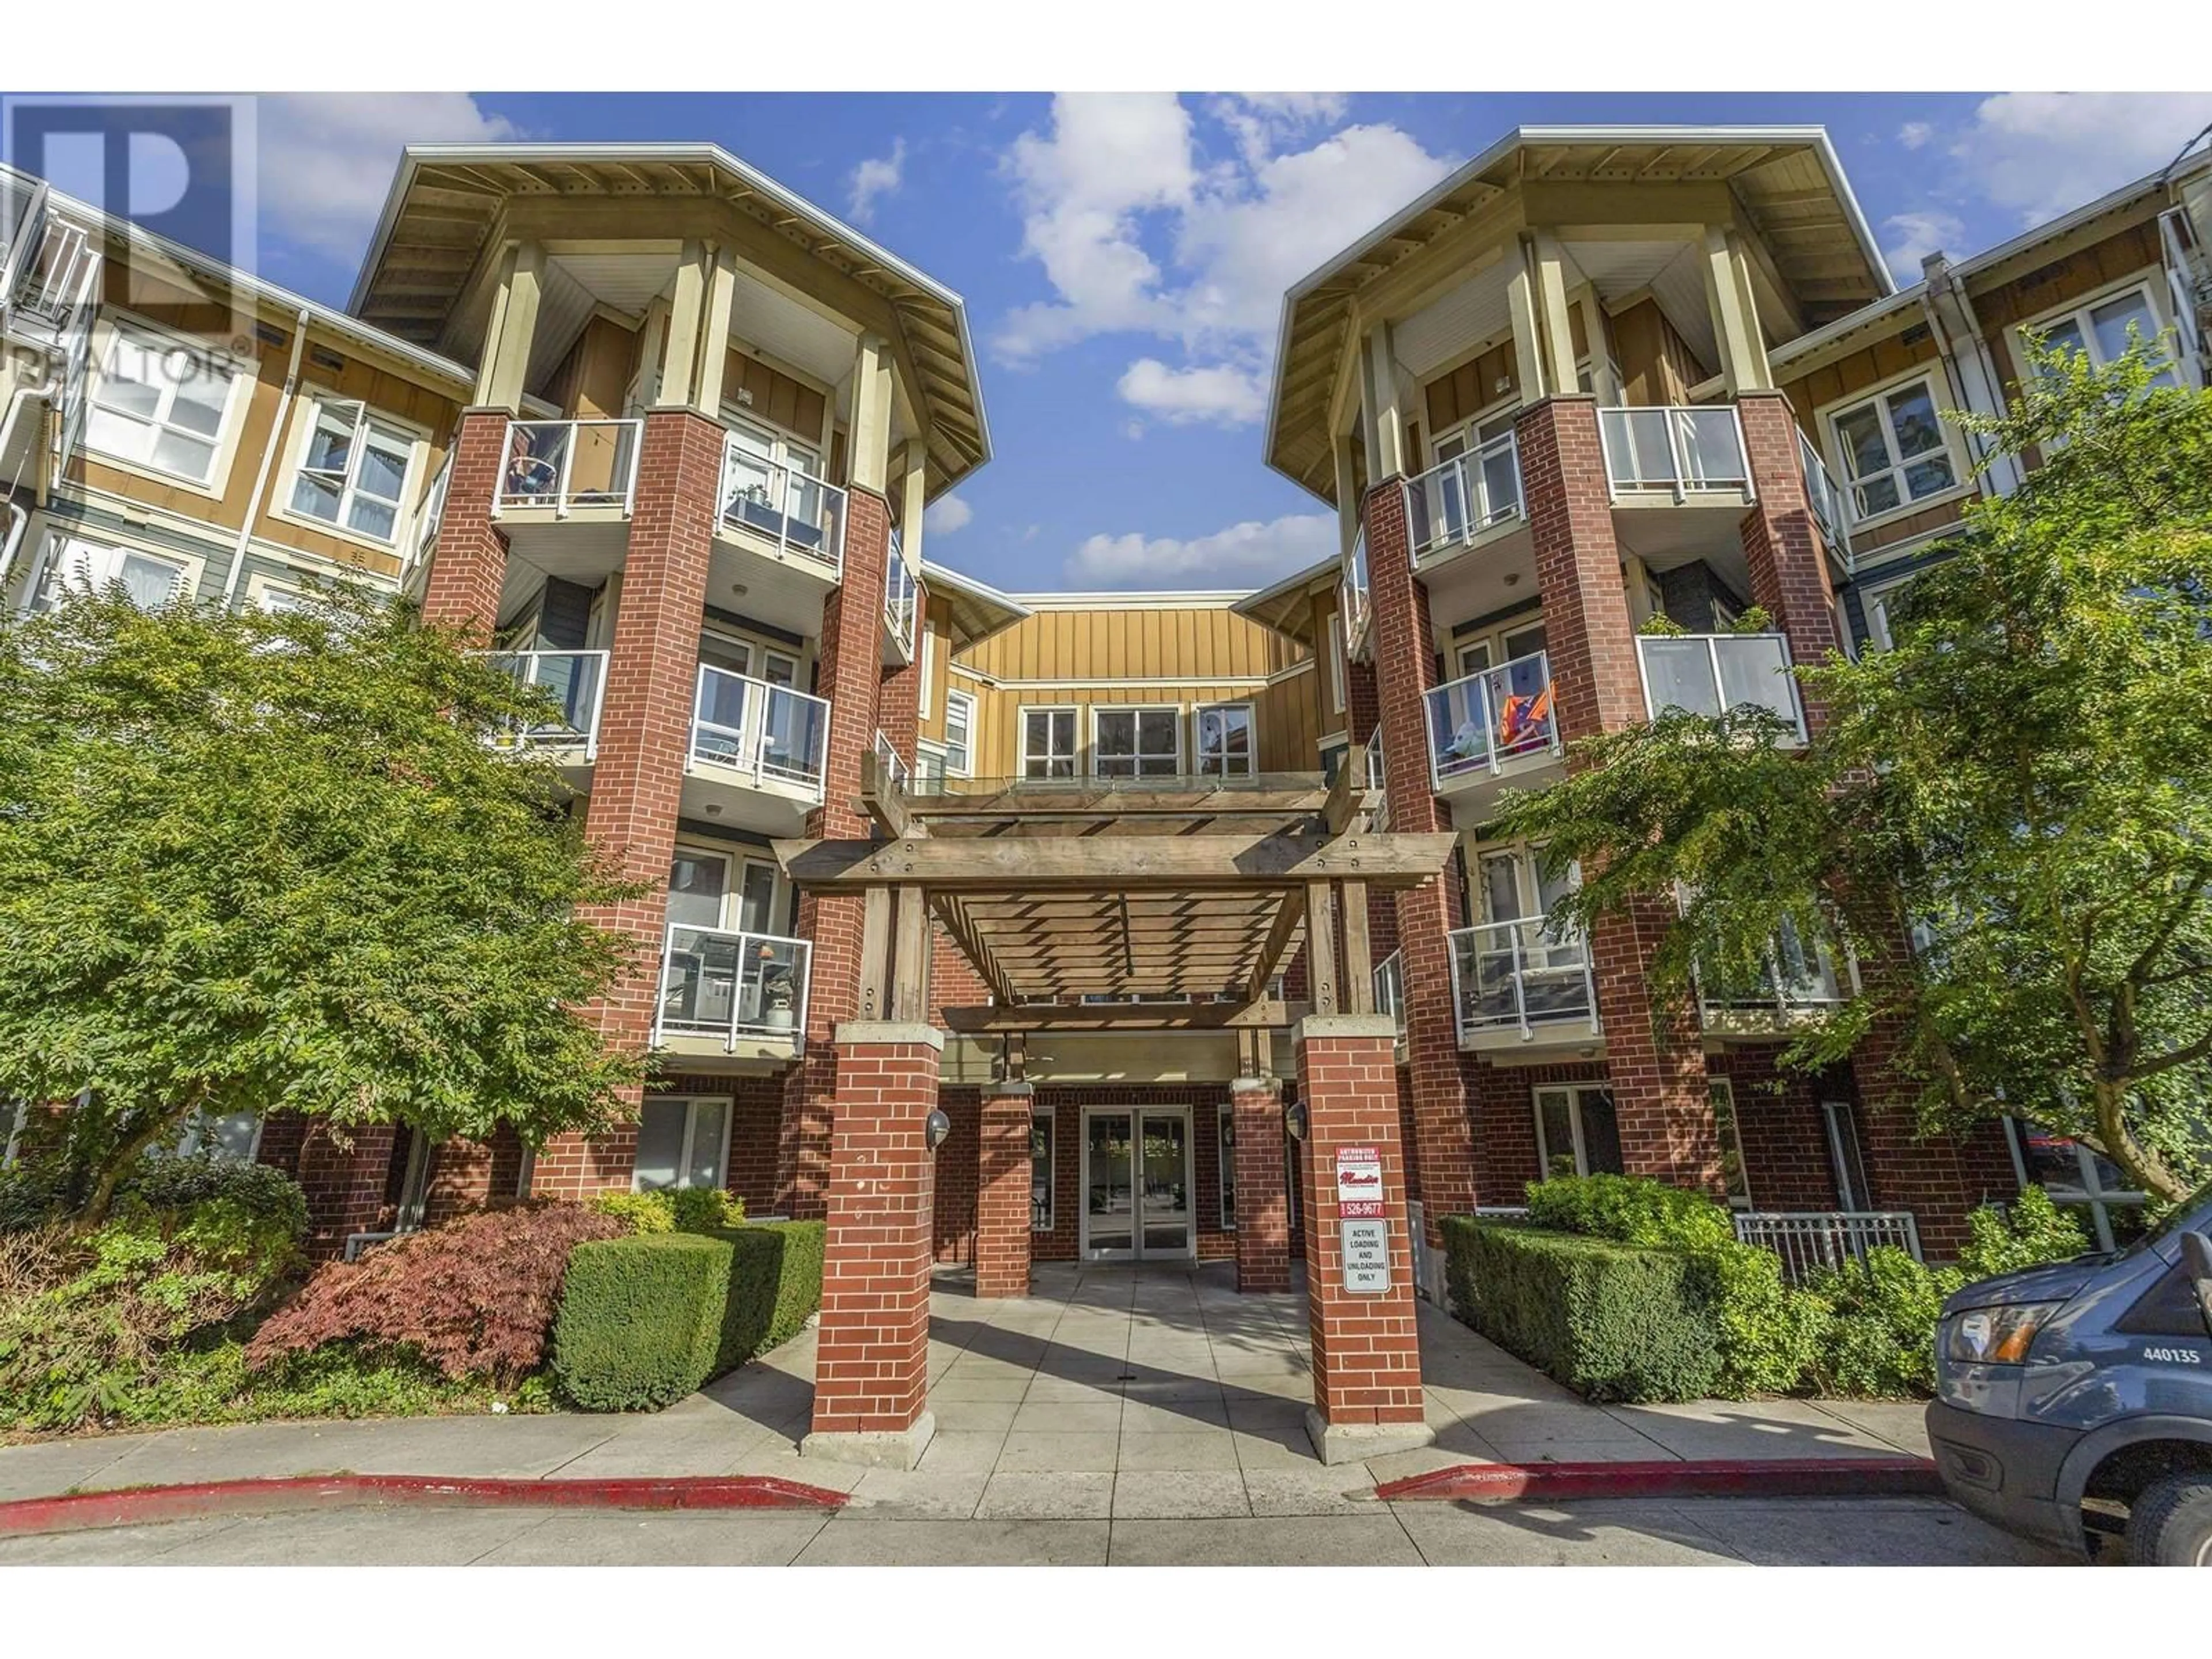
1733 1477
139 1505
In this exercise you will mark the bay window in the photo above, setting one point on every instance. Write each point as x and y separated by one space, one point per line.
160 404
1136 743
1893 449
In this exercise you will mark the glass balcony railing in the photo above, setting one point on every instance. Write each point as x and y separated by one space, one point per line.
1791 982
1825 499
1479 724
566 465
719 983
1673 450
577 683
1710 674
426 520
772 732
1390 981
902 596
1456 502
896 771
797 511
1519 977
1352 595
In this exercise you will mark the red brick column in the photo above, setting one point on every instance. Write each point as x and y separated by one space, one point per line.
898 692
469 563
1366 1352
645 731
344 1184
1263 1203
1654 1057
1781 540
1002 1191
872 1349
849 672
1405 669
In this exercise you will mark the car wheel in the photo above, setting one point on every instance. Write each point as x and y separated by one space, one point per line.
2171 1524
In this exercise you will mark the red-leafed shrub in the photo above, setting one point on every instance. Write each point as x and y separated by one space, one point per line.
474 1298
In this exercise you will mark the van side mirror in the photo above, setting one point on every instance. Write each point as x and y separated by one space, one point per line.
2197 1257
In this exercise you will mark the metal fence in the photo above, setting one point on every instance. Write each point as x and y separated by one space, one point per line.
1808 1240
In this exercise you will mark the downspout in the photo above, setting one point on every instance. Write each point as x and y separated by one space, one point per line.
19 515
268 461
1958 337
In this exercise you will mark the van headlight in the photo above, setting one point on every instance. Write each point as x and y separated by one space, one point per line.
1996 1336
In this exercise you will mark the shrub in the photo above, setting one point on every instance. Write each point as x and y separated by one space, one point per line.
1880 1333
1611 1321
475 1297
35 1194
1629 1209
775 1283
2031 1231
686 1210
641 1320
30 1196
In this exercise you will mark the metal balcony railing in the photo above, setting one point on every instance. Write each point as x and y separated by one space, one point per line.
1672 449
1808 1240
566 465
1520 976
575 680
1352 595
718 982
774 733
1496 715
1825 499
797 511
1710 674
901 594
1454 502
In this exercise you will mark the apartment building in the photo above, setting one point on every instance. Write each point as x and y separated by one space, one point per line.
662 434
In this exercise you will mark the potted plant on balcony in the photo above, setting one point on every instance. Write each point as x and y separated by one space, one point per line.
778 993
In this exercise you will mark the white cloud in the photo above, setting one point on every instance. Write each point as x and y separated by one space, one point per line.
878 176
946 515
1231 397
1140 231
2040 153
1913 134
1248 554
1914 236
327 158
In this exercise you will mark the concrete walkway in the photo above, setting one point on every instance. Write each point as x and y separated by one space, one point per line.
1109 1392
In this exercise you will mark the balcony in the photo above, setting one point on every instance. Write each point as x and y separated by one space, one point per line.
557 469
902 607
576 681
1674 451
728 993
1710 674
895 772
50 280
1516 982
1352 599
1463 500
1826 502
1792 985
1389 983
1496 723
778 509
768 740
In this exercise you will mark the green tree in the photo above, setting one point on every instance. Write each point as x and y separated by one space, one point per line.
2025 778
262 862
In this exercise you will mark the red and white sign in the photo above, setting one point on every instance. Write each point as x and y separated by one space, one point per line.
1358 1181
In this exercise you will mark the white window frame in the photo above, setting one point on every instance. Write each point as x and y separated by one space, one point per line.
197 1136
960 752
929 761
921 689
735 862
103 563
160 343
366 420
1044 1114
1877 397
1224 1172
1251 768
1336 662
1874 604
691 1103
2089 1191
1721 1091
1139 756
1574 1091
2153 291
1074 756
757 654
1491 644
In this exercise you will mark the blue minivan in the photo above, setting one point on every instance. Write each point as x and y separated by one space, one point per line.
2074 1399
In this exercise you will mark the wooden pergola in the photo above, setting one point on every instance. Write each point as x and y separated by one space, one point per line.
1181 899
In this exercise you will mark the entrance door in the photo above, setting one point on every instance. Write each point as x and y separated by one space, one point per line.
1137 1187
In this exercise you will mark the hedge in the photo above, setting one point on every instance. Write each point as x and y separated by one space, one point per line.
1612 1322
646 1320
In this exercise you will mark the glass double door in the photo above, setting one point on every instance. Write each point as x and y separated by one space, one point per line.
1137 1186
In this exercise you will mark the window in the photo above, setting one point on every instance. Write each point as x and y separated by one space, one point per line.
2101 329
1576 1132
235 1138
72 563
1336 661
681 1142
921 686
1049 743
1877 605
1040 1172
1845 1161
1494 652
160 404
959 733
1734 1176
1225 740
1227 1162
771 483
353 472
2078 1179
928 761
1894 450
742 656
1136 743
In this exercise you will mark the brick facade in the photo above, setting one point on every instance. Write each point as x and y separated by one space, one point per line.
468 566
1002 1190
1781 542
1263 1206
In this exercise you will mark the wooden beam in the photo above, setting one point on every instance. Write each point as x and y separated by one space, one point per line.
1347 796
986 967
1288 915
1359 955
1320 947
1123 1017
1171 863
909 992
875 953
883 802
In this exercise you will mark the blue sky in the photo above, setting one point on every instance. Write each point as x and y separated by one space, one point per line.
1123 258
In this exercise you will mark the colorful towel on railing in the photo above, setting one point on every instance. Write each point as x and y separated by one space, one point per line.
1525 720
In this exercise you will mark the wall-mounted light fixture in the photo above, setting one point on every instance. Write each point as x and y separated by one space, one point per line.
938 1128
1294 1118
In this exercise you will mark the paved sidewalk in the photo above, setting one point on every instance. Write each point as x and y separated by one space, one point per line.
1109 1393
